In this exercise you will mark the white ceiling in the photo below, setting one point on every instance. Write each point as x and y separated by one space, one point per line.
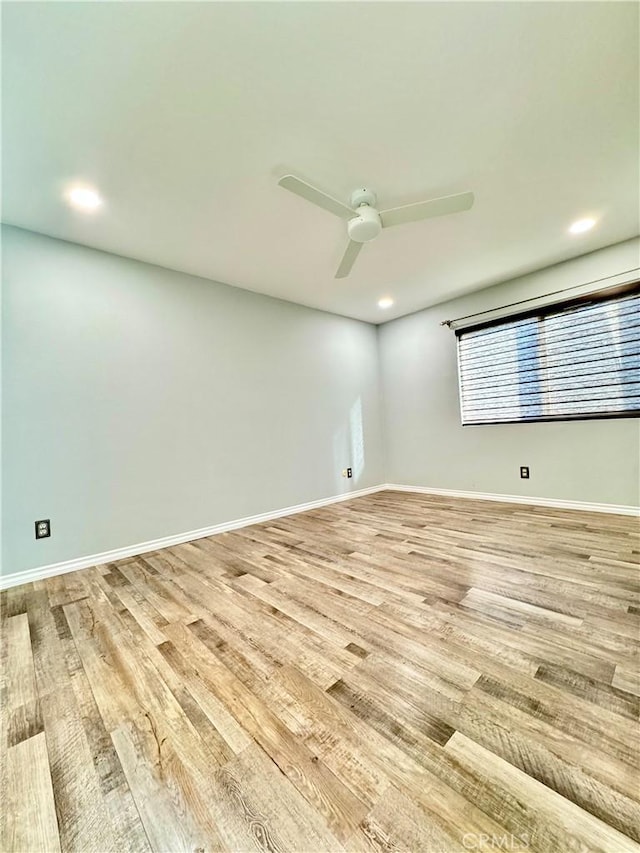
184 115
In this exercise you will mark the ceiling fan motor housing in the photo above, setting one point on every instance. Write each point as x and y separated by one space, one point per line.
365 225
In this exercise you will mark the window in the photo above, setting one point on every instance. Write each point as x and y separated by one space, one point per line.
578 360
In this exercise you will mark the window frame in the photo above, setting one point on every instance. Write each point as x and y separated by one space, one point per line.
628 289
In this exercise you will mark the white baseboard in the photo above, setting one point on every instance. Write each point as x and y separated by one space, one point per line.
49 571
585 506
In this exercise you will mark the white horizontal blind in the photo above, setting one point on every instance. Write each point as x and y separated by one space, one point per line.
581 361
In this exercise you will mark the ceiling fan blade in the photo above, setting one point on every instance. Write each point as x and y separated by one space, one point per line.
348 259
316 196
426 209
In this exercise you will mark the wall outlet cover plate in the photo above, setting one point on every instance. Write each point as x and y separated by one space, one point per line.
43 528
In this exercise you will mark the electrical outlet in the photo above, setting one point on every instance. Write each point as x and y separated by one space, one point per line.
43 528
524 472
349 473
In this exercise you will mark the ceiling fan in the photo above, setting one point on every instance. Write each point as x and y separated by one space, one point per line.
365 221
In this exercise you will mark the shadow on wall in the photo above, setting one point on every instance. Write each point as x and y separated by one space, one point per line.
348 447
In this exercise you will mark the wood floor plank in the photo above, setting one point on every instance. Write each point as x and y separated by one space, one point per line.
167 797
397 823
549 822
627 680
398 672
30 823
24 718
479 598
279 816
94 804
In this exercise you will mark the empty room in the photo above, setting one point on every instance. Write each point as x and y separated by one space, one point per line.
320 427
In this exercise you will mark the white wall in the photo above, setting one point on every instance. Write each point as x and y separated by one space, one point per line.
140 402
596 461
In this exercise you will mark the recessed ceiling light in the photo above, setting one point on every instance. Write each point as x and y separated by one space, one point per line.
386 302
84 198
582 225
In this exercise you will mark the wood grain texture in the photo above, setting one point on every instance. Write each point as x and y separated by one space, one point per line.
23 707
30 819
400 672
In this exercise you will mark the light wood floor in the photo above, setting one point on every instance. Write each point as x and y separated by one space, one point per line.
398 672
